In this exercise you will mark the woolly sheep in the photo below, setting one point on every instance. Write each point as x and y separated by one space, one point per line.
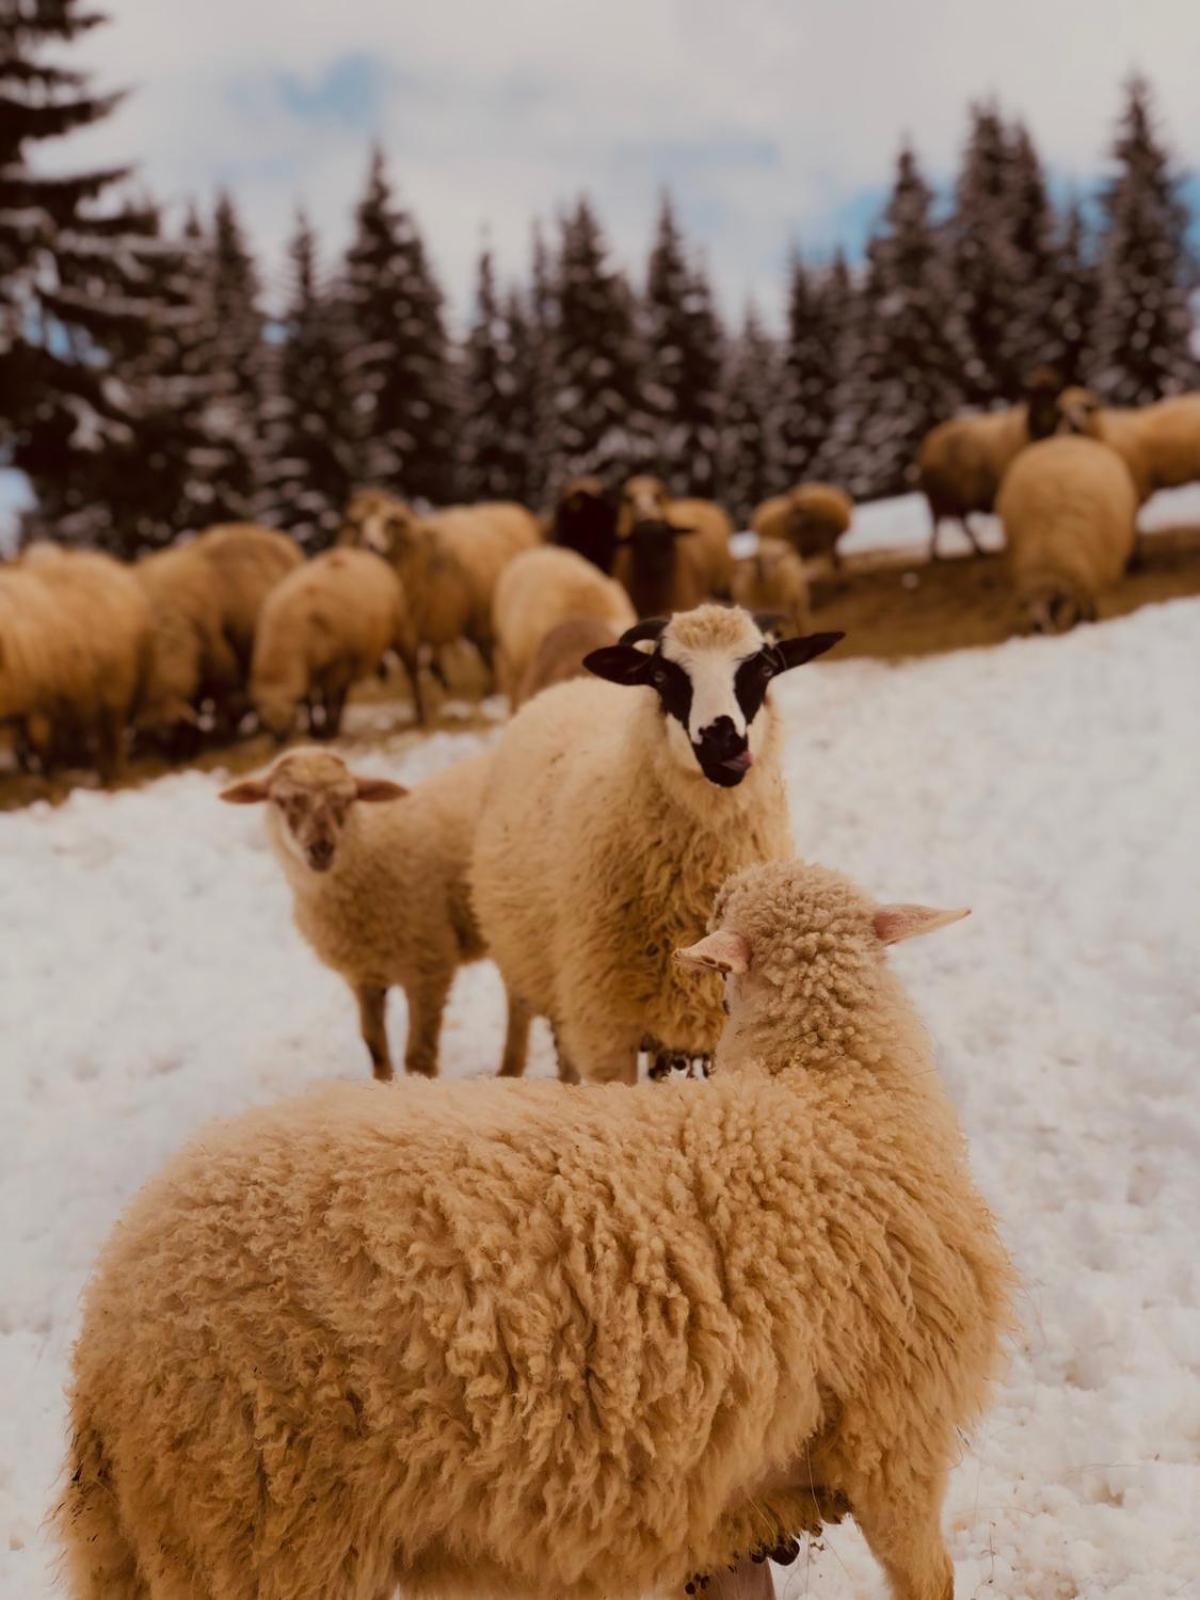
248 561
812 517
104 618
1159 443
540 589
773 579
585 520
191 657
645 507
44 666
1069 509
647 790
328 625
561 656
379 889
497 1338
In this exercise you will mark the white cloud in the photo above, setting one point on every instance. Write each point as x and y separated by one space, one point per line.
768 116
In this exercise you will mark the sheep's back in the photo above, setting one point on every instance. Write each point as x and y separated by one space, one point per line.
1069 507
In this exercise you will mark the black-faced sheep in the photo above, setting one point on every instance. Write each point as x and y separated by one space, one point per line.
585 520
647 790
497 1338
645 512
540 589
378 876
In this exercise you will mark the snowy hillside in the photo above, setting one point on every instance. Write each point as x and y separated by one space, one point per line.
151 978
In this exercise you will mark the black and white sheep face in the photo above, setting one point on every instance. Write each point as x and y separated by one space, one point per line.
711 689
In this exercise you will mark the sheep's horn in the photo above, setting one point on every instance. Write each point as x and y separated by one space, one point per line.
650 628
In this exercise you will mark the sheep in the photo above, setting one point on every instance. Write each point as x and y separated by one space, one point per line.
812 517
773 580
248 561
561 655
713 529
539 589
646 507
191 658
1069 509
1159 443
326 626
647 790
44 666
104 619
585 520
662 569
494 1337
379 890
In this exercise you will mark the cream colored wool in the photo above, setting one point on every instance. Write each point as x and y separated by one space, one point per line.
498 1338
561 654
812 517
705 555
248 561
44 665
190 656
773 579
540 589
713 530
1159 443
1069 509
599 851
327 626
962 462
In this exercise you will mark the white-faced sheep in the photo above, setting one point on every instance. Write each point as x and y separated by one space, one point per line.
773 580
191 658
327 626
812 517
104 620
1069 509
537 591
561 655
498 1338
647 790
1159 443
585 520
378 876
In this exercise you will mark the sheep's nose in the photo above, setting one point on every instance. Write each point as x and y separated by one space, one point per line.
320 854
721 741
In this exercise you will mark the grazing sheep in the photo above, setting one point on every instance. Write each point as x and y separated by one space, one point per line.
103 614
380 890
248 562
773 579
497 1338
1069 509
191 658
1159 443
540 589
327 626
561 655
961 463
812 517
44 667
585 520
647 790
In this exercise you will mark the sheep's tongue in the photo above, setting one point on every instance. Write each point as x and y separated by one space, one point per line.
740 763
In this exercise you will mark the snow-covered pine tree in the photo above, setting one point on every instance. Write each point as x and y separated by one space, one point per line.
495 443
400 368
681 337
599 424
1076 296
308 448
1032 339
807 383
750 464
986 274
77 283
1143 324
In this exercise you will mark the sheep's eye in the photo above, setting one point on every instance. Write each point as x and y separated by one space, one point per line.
658 676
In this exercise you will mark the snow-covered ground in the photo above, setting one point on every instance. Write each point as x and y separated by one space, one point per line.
150 977
16 496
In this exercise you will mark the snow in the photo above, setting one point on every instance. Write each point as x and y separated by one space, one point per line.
16 497
150 977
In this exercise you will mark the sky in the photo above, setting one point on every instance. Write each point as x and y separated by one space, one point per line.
775 122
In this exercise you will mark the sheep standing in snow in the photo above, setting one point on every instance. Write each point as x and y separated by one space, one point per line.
378 877
650 526
537 591
191 658
585 520
1159 443
44 667
495 1338
247 562
812 517
773 579
646 792
327 626
1069 509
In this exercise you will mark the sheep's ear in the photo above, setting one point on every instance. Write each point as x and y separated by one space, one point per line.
723 951
791 653
250 792
378 789
620 663
894 923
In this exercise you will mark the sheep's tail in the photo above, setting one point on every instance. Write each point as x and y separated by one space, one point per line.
99 1563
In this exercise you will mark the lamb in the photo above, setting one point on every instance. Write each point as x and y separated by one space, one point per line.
378 878
1159 443
773 580
191 658
648 790
1069 509
585 520
494 1337
812 517
328 625
104 618
540 589
561 655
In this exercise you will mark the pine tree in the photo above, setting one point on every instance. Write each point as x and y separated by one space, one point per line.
598 420
536 343
1032 338
1075 299
750 451
307 445
986 272
808 387
1143 325
494 435
400 369
77 285
682 370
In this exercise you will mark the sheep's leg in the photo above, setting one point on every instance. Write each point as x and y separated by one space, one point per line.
426 1002
599 1058
110 745
516 1038
372 1017
748 1580
970 533
335 706
902 1526
567 1072
412 666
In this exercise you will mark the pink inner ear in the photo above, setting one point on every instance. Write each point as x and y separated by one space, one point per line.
896 923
